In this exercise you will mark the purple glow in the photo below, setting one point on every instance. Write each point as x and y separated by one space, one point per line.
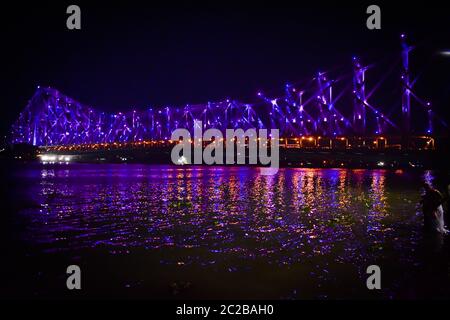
52 118
317 239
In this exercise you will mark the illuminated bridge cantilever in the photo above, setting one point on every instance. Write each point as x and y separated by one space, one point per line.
310 109
51 118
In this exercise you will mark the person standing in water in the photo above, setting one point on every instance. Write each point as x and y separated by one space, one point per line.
447 205
433 212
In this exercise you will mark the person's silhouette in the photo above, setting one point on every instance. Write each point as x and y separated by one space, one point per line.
431 201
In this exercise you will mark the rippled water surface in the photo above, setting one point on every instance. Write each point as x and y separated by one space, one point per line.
310 228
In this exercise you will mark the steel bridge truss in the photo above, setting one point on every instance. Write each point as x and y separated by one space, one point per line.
51 118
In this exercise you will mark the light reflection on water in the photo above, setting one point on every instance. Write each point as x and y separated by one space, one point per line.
342 216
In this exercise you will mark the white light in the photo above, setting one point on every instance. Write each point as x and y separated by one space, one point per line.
51 158
380 164
48 158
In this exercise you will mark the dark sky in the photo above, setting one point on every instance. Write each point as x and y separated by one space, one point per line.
137 54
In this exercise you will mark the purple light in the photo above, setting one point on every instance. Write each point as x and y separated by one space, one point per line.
68 122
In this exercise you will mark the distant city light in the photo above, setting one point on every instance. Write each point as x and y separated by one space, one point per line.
53 158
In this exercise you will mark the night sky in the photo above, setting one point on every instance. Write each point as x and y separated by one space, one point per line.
140 54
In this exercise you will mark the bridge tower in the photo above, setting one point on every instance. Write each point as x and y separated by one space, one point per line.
406 92
430 118
325 104
359 111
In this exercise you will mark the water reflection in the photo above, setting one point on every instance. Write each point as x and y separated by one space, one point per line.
297 216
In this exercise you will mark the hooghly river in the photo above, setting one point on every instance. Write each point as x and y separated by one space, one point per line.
150 231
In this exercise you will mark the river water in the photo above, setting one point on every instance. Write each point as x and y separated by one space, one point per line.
155 231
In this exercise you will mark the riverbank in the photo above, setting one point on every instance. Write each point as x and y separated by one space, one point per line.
289 157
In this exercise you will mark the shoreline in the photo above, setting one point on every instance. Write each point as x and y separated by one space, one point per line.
289 157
